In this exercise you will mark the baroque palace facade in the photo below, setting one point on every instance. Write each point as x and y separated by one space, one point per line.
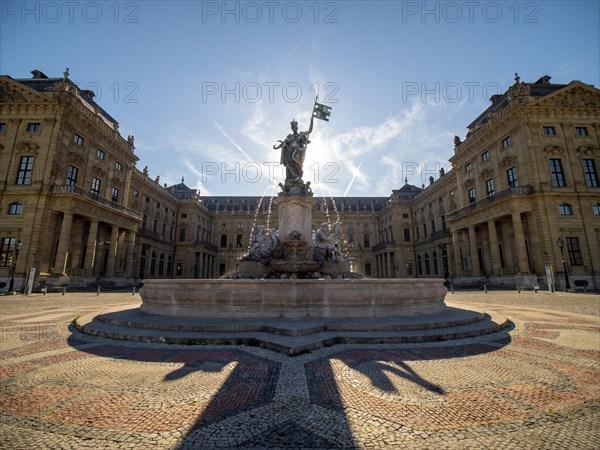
523 194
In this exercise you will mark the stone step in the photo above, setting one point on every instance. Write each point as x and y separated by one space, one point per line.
290 336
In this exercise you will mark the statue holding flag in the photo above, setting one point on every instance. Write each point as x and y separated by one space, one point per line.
293 152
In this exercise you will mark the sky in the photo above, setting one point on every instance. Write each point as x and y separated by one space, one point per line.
207 88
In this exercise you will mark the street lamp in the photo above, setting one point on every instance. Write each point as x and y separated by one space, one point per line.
561 244
17 246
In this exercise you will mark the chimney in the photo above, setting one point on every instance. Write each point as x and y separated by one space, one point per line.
38 74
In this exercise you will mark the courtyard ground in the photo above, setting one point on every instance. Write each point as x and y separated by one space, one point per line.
535 385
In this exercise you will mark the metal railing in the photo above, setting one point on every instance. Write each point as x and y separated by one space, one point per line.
500 195
84 193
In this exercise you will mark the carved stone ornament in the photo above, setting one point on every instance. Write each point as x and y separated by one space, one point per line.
588 150
76 160
553 150
27 147
469 183
508 161
100 172
486 173
9 94
576 97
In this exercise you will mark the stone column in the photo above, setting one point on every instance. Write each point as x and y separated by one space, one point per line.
457 258
129 260
520 243
494 252
90 251
112 251
473 250
64 243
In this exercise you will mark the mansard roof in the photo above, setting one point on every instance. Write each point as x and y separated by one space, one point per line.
42 83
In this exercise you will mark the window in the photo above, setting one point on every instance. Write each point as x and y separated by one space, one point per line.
489 186
118 166
238 241
367 269
24 174
79 140
100 154
135 193
511 174
596 209
72 176
556 173
425 231
468 167
34 127
155 226
114 194
589 170
223 241
144 222
506 142
161 265
574 251
427 265
471 193
444 222
485 156
6 251
181 234
351 240
419 265
152 264
405 216
15 208
2 127
579 131
95 186
565 209
184 215
366 240
549 131
407 235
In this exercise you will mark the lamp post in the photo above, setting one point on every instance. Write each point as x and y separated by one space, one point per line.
17 246
561 243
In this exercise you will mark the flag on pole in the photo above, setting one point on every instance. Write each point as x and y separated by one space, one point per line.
321 111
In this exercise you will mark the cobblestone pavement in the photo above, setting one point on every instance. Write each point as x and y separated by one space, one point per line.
534 386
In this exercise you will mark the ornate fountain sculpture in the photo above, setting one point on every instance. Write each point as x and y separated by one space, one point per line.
291 253
287 275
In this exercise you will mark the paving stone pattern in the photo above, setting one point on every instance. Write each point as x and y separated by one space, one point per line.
535 385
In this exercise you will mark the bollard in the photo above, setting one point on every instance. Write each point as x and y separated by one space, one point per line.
452 288
44 290
64 290
518 288
485 288
133 291
98 291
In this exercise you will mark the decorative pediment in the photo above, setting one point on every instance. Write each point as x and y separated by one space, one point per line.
554 150
576 96
469 183
508 161
14 92
588 150
11 94
27 147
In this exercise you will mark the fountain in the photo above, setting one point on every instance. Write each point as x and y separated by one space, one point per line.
291 293
286 274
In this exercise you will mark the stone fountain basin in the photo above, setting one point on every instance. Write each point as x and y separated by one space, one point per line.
295 266
224 298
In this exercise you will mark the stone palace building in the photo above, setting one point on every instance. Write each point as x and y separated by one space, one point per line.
523 195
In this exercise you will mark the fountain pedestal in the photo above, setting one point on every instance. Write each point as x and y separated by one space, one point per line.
295 214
